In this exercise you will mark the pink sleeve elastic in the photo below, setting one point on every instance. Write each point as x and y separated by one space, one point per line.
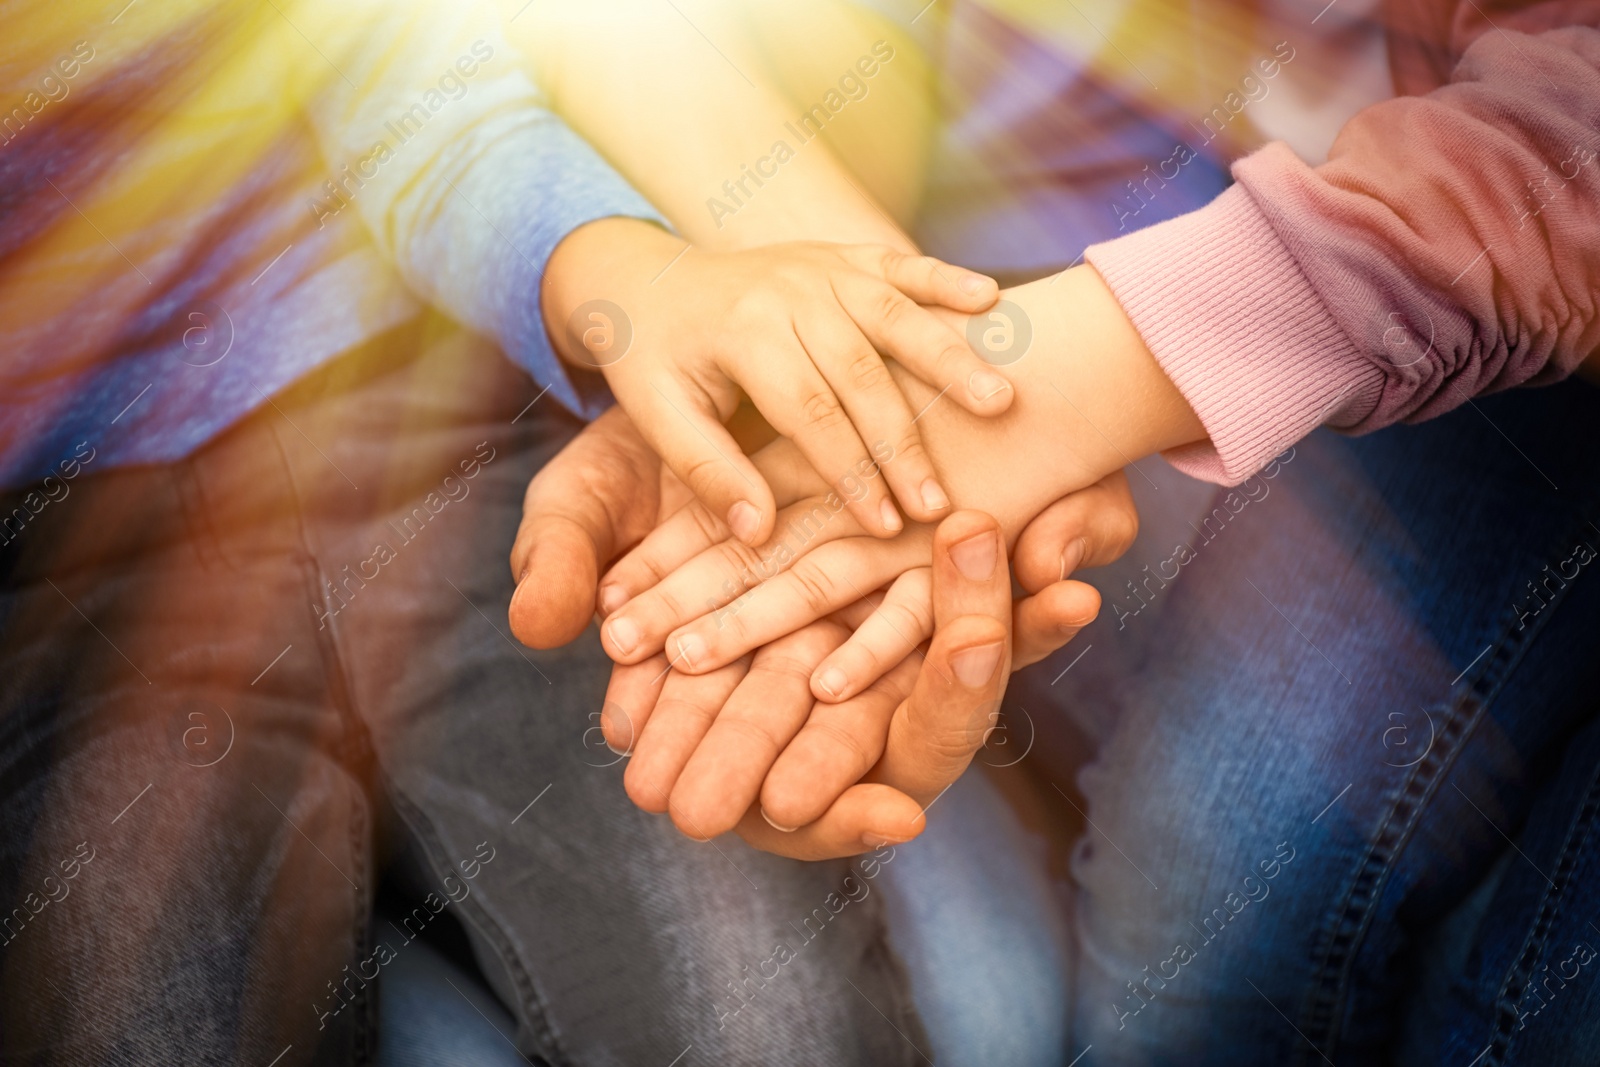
1241 333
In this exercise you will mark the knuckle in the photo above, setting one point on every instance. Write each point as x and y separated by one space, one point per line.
655 569
952 357
756 734
738 561
684 712
911 622
952 745
885 256
910 447
703 475
847 745
664 604
706 525
816 589
822 411
867 372
863 658
892 307
1124 530
781 667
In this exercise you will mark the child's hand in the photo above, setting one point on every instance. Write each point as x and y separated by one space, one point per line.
720 749
799 328
709 599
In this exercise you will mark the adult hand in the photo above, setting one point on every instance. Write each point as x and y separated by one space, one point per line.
602 492
753 712
939 712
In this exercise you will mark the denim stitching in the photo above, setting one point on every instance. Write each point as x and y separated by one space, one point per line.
1534 946
1352 917
537 1011
354 751
1323 1009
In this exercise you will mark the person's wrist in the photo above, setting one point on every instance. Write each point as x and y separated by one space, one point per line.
1091 399
604 260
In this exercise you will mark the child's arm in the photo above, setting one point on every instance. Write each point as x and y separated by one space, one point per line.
718 751
1090 399
678 331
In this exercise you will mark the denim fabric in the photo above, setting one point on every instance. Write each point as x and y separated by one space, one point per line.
434 1013
976 919
1345 758
237 679
970 914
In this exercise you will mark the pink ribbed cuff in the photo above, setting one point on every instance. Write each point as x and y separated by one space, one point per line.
1237 327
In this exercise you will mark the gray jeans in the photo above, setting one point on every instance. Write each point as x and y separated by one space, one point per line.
233 683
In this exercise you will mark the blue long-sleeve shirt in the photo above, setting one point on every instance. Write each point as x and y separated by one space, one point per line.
225 198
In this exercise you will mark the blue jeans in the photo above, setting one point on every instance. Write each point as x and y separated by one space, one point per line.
1339 753
232 683
1341 768
972 915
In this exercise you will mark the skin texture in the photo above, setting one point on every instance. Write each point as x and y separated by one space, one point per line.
734 748
606 489
612 68
1090 398
798 327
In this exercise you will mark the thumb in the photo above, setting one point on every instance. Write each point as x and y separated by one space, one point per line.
554 600
599 492
956 699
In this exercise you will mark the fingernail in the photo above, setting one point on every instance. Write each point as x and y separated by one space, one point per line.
975 556
1072 557
744 520
975 666
616 750
832 681
612 597
891 517
933 497
877 839
624 635
775 826
972 283
691 648
984 383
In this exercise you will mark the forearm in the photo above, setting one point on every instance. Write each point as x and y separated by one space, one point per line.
680 117
1090 399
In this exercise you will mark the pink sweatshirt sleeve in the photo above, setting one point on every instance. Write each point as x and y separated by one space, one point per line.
1450 247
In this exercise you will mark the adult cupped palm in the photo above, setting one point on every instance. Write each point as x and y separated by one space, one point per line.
921 723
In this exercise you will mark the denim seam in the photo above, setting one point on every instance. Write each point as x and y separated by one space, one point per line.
354 751
537 1011
1344 930
1537 942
